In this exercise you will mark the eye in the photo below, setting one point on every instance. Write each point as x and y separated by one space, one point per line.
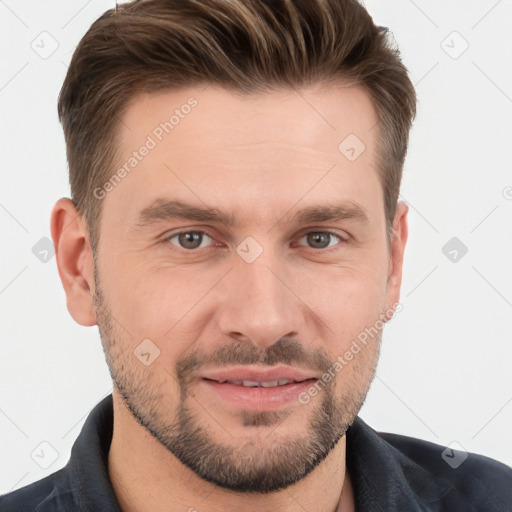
321 239
193 240
189 240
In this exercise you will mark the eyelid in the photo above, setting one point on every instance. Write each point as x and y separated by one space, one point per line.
202 231
342 235
342 238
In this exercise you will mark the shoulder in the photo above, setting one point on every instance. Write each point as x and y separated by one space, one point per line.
50 494
484 483
398 472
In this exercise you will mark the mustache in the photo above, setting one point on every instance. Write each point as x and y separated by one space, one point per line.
285 351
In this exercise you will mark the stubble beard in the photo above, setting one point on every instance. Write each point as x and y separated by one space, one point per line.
263 465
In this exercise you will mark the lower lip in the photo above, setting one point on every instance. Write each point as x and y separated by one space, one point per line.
258 398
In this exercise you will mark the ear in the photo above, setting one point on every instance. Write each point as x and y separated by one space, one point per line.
398 239
74 260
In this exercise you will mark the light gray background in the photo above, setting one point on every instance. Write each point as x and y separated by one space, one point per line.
446 368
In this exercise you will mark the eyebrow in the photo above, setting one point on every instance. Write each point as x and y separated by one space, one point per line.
166 210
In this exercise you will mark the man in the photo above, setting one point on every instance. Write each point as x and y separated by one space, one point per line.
234 232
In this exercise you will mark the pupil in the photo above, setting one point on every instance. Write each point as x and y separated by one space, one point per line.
190 240
320 240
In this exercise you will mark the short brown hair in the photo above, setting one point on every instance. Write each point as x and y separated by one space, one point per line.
247 46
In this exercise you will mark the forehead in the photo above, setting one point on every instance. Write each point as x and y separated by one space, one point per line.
213 146
317 118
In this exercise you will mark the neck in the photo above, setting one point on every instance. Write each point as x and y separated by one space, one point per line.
147 477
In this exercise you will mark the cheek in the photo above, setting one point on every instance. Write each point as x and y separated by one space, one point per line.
171 305
141 363
160 304
348 299
355 314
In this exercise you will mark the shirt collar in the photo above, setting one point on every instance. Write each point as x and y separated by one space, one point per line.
88 462
384 478
380 474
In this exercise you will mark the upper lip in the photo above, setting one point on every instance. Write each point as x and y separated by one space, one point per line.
259 375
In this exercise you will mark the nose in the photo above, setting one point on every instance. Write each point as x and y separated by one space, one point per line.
258 304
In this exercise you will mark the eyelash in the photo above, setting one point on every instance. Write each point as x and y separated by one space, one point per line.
342 240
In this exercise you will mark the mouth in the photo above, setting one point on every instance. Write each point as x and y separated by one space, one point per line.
259 384
256 390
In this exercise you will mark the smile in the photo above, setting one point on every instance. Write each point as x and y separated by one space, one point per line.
255 384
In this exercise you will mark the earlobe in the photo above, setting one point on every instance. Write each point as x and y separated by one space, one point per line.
75 262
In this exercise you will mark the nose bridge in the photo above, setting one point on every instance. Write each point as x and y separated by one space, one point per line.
258 305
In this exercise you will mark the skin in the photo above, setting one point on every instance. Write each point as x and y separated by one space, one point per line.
260 157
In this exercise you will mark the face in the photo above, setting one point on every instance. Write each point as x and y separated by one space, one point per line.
240 258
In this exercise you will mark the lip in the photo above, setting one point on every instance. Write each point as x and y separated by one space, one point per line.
257 398
258 374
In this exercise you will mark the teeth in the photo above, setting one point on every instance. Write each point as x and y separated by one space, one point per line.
250 383
255 384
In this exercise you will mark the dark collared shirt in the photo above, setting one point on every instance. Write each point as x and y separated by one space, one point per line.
389 472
